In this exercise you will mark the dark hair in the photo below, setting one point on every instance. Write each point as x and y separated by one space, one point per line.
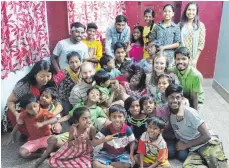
173 88
155 43
92 26
126 66
105 59
151 11
137 70
52 91
184 19
90 89
158 121
77 25
39 66
119 45
141 41
182 50
144 98
101 76
170 6
73 54
167 76
78 112
27 99
120 18
117 108
128 102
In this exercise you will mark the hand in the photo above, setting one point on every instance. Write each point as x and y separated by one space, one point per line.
110 137
38 125
181 146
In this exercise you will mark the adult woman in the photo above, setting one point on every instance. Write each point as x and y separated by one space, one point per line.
37 79
192 31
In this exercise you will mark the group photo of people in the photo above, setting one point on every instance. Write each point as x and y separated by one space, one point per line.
132 101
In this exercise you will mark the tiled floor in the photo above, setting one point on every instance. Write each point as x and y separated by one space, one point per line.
215 112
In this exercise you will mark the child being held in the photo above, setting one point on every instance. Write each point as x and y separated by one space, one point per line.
152 148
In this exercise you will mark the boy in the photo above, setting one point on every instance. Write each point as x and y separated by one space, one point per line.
189 77
108 64
193 134
112 140
120 54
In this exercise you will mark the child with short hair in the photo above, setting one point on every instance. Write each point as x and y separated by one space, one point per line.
76 152
152 148
112 140
120 54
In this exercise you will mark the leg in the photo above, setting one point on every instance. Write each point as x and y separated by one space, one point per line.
182 155
27 154
97 164
171 144
120 165
194 160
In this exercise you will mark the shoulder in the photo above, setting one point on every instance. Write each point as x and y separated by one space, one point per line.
191 112
64 41
143 136
202 26
195 73
83 44
128 130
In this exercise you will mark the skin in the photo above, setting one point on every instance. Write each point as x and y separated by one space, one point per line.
148 107
163 83
135 108
74 63
120 55
110 65
134 81
148 18
87 72
120 26
159 65
137 34
91 34
151 49
45 100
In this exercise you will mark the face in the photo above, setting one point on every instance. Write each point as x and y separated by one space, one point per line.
87 73
120 54
91 33
43 77
46 99
85 120
117 120
136 34
106 84
110 65
151 49
120 26
148 106
168 13
135 80
148 18
32 108
74 63
181 62
77 35
135 108
94 96
174 100
159 64
153 131
191 11
163 83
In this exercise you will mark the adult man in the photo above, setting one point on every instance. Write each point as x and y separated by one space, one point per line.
189 77
63 47
119 32
193 134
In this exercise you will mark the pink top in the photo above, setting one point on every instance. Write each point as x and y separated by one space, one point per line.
136 52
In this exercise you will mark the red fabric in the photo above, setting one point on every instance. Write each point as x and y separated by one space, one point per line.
121 80
136 52
59 77
35 91
24 34
141 147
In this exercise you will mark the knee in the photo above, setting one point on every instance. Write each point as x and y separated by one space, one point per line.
52 140
24 152
95 164
182 155
171 151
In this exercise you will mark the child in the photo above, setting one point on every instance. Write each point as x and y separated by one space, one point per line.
152 148
120 54
108 64
30 114
137 44
136 84
76 152
112 140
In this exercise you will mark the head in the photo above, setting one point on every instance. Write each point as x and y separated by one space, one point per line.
102 78
132 106
120 51
77 32
91 30
168 12
152 47
107 62
74 60
155 127
182 58
41 74
30 104
87 72
137 80
191 12
147 104
48 97
149 15
117 114
120 23
164 81
137 35
160 64
93 95
126 70
174 94
81 117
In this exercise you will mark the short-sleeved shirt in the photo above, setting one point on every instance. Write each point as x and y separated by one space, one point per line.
136 52
137 93
65 46
147 67
157 148
113 73
117 145
21 89
191 81
105 92
95 48
30 121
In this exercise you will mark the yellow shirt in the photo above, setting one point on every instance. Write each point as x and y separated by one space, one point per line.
146 31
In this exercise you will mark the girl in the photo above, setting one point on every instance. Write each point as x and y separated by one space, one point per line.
149 15
136 84
137 44
167 33
76 152
192 32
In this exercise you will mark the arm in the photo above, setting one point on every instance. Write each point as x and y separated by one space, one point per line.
132 146
95 142
53 121
92 136
108 43
12 135
110 100
99 52
71 136
58 109
11 104
54 60
201 43
141 160
195 100
169 46
154 165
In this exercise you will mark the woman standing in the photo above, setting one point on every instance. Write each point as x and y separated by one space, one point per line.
192 31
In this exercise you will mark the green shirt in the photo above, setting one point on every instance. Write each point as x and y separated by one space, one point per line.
191 82
104 91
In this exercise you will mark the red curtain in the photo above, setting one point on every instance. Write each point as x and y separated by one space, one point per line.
24 34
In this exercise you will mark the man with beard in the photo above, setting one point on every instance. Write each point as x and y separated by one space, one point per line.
65 46
189 77
119 32
193 134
